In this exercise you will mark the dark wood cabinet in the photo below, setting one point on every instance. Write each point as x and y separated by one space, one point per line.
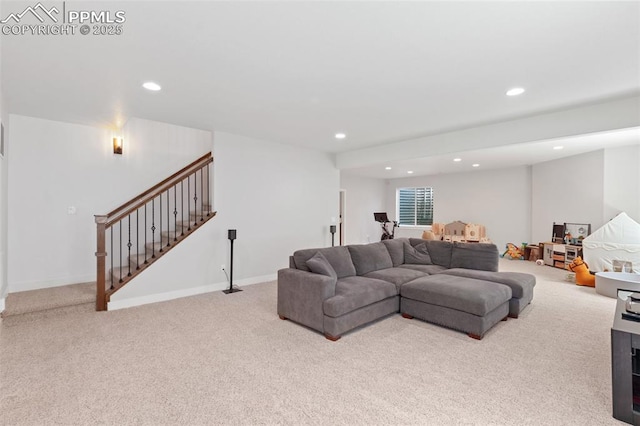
625 367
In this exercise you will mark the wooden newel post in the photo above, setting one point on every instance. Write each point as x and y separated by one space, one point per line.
101 254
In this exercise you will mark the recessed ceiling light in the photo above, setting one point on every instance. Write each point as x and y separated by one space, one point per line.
387 168
410 172
457 160
340 136
515 91
150 85
475 165
558 147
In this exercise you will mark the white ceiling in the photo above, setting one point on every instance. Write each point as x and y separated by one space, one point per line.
298 72
501 157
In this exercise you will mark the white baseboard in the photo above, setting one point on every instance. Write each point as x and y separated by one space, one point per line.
162 297
56 282
1 304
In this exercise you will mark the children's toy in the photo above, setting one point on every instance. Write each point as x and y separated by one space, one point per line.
540 262
581 269
474 232
513 252
429 235
460 231
438 230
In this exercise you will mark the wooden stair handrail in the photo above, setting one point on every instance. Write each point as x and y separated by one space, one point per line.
104 222
140 200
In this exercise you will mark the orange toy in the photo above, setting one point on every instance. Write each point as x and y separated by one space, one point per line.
513 252
581 269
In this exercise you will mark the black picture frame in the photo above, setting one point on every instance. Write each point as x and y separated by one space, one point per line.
557 236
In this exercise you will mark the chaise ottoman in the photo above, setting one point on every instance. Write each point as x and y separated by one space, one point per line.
521 285
465 304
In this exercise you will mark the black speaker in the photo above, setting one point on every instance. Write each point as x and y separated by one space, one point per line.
332 229
232 236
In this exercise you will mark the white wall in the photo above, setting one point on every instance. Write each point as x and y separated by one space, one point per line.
364 196
279 198
55 165
4 170
570 189
498 199
621 182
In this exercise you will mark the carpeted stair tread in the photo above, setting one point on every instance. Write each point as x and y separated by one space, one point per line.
155 247
172 234
119 273
25 302
138 260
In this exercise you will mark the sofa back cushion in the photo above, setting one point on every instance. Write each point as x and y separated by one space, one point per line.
338 257
479 256
320 265
439 251
370 257
418 255
396 250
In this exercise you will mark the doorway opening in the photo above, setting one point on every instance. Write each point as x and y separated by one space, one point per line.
341 216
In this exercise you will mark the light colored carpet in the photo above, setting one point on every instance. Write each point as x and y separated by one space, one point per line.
228 359
26 302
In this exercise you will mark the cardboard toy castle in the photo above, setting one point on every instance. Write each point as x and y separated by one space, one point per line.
460 231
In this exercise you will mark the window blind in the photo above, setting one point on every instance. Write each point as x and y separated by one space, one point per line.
415 206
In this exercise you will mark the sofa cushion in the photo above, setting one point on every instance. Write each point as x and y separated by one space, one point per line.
320 265
338 257
440 251
396 250
370 257
521 284
425 269
478 256
357 292
398 276
473 296
418 255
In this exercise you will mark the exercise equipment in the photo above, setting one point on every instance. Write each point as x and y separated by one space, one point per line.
383 219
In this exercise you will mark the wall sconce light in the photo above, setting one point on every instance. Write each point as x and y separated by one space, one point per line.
117 145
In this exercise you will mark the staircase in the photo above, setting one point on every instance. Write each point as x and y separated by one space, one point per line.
136 234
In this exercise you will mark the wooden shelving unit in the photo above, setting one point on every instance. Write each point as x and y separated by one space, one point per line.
559 255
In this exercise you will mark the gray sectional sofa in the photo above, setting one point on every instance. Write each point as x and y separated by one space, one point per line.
457 285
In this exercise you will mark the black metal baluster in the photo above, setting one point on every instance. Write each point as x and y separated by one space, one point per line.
208 191
168 218
195 199
182 205
145 233
120 249
137 239
129 249
175 212
111 256
160 208
188 209
153 228
201 196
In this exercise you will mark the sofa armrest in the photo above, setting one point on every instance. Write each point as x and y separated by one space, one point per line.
301 296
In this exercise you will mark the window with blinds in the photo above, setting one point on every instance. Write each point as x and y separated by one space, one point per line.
415 206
